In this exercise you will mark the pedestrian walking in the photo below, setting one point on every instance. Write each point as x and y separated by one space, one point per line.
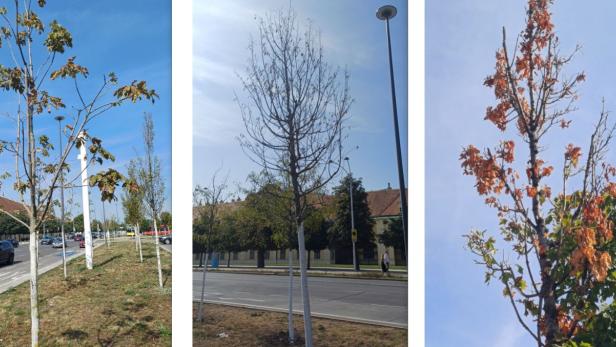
385 263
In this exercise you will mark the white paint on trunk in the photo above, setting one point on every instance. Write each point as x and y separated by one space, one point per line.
85 202
304 285
160 272
290 318
200 311
34 316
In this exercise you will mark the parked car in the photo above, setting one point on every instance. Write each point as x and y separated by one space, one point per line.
7 252
57 243
14 242
165 239
78 238
46 240
130 233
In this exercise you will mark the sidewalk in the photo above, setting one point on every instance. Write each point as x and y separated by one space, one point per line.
397 275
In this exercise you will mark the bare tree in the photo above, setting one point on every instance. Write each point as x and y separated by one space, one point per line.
150 181
207 201
294 117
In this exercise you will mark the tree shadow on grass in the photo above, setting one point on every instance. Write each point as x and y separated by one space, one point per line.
75 334
107 261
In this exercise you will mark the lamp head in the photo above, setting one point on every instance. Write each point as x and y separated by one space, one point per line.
386 12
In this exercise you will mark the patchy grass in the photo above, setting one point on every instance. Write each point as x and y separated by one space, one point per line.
118 303
247 328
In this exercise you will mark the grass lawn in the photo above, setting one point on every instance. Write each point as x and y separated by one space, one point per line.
117 303
246 327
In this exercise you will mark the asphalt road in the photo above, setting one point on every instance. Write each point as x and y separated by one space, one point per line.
371 301
19 272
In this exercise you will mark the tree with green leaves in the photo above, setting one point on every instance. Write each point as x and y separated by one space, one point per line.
228 237
393 236
554 249
165 219
317 231
340 232
29 77
132 204
151 183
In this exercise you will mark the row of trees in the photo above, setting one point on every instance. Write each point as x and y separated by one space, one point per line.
9 226
263 221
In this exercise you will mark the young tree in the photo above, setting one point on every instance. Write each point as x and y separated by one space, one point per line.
294 118
151 182
207 201
132 204
562 240
340 236
37 167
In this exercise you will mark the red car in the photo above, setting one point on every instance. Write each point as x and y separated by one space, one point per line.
82 243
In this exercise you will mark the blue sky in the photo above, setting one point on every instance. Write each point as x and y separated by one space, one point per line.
352 36
461 39
130 38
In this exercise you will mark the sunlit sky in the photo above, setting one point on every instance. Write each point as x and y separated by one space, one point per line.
352 37
130 38
461 40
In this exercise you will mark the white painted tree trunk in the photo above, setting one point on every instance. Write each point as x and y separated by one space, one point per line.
138 234
291 329
64 253
200 311
304 285
87 232
157 245
34 315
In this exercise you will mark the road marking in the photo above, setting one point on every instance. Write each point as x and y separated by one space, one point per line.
256 300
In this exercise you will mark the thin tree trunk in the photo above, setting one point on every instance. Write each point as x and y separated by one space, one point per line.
308 266
229 259
160 272
64 249
200 311
139 241
304 285
34 314
290 318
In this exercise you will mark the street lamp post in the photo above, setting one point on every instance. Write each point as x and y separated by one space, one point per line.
60 119
353 238
386 13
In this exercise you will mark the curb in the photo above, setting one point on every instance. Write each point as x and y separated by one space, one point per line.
310 273
313 314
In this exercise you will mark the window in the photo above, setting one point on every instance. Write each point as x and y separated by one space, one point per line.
251 254
283 254
317 254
